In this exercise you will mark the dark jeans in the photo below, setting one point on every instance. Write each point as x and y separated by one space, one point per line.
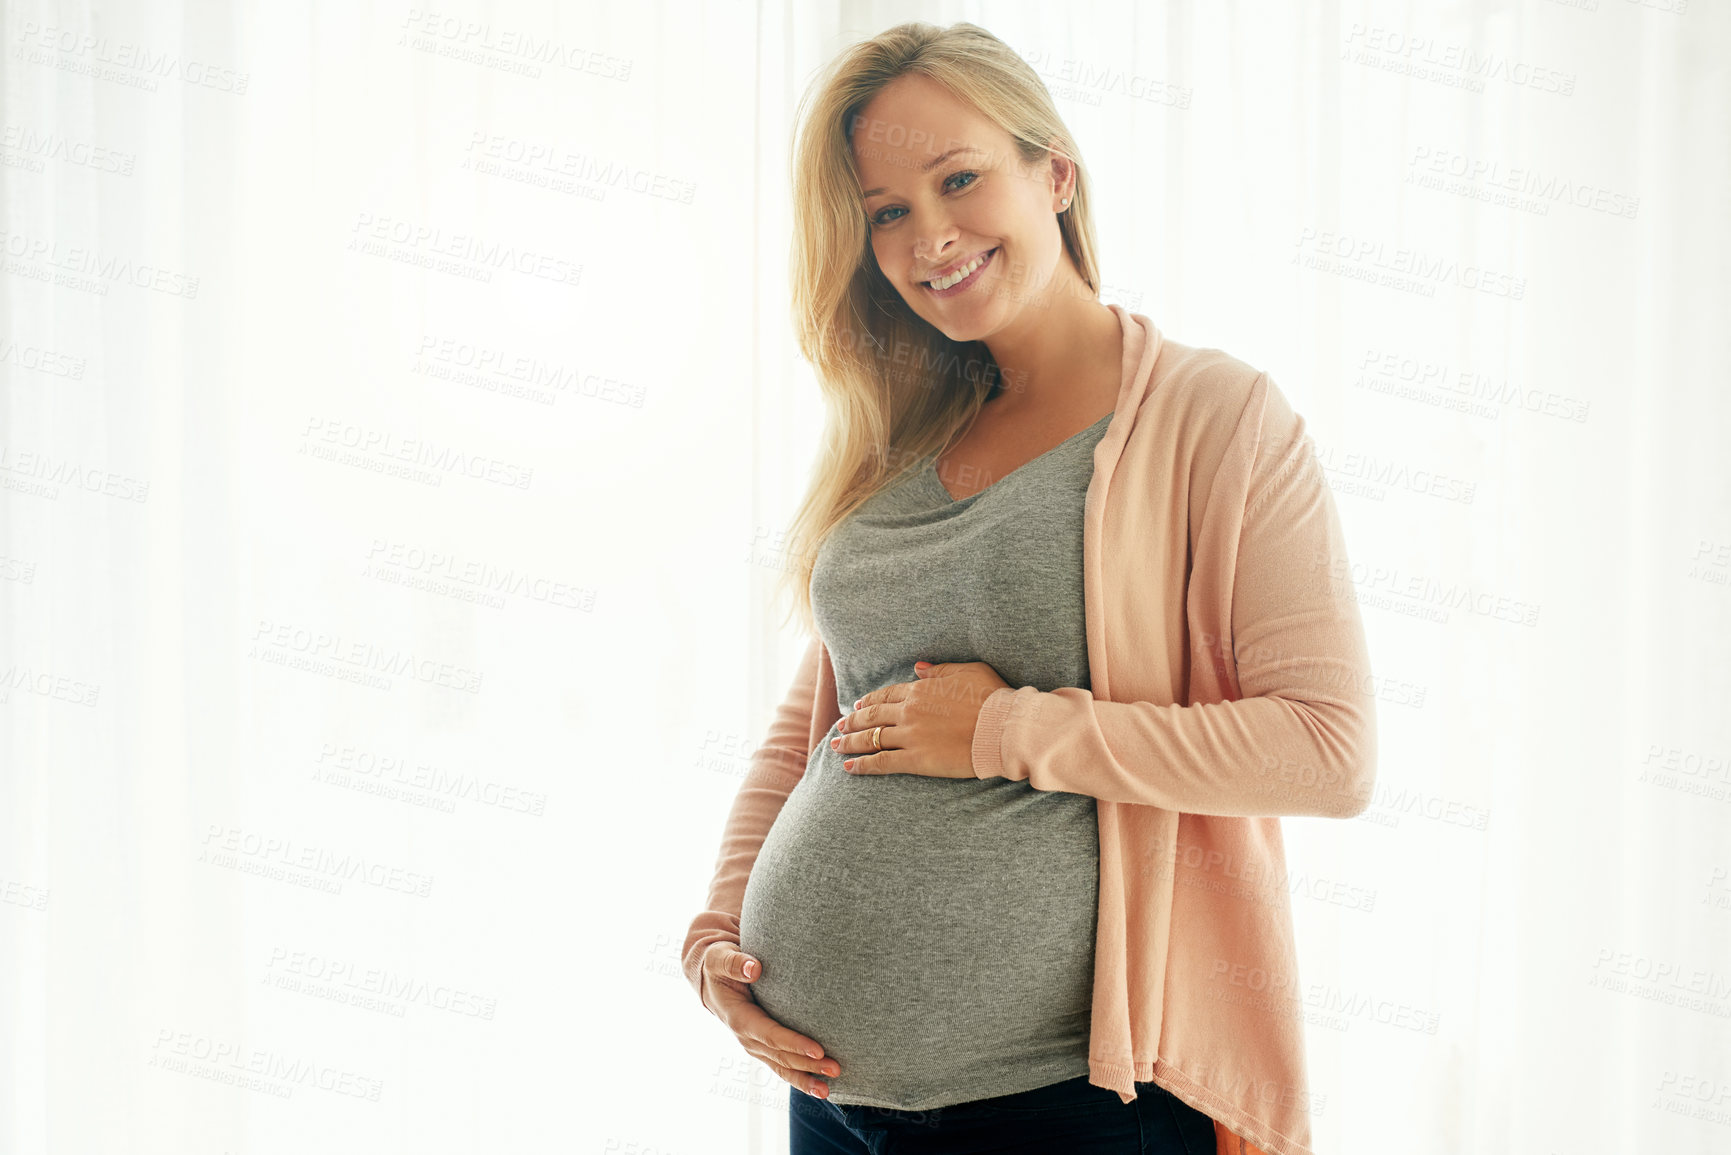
1073 1117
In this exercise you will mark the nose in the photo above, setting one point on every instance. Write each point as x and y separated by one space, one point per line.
935 236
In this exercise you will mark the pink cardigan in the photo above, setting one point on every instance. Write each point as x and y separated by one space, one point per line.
1230 685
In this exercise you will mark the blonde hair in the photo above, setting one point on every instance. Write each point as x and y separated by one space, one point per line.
895 387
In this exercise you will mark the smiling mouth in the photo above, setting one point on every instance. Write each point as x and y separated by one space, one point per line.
962 274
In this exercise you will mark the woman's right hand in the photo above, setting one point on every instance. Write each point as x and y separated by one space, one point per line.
788 1053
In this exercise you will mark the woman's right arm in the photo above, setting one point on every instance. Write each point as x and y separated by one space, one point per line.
775 768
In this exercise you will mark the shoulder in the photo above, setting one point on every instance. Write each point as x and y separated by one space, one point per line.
1204 390
1205 405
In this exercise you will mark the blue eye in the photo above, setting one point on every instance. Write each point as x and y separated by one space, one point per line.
879 218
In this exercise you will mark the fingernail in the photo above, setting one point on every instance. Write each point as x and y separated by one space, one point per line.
814 1052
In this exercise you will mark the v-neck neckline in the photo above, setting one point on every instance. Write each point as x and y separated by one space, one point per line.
931 470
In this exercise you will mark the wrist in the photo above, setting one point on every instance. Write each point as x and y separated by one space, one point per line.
986 750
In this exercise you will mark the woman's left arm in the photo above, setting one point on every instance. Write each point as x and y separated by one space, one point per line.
1300 739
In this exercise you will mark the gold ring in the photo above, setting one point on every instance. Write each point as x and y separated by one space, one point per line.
877 740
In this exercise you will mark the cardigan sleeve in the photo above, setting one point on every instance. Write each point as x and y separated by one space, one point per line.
772 771
1299 740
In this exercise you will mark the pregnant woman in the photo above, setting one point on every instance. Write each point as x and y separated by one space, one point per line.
1006 874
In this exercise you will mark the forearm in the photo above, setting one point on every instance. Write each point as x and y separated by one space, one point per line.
775 769
1252 757
1295 730
760 799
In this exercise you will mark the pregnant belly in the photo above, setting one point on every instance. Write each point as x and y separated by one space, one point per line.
936 935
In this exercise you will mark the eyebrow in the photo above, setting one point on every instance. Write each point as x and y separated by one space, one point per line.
927 167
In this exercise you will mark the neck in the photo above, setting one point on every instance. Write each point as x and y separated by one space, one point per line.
1057 343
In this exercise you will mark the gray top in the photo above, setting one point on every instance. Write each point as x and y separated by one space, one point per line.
936 935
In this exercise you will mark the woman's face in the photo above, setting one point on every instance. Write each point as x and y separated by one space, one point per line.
979 200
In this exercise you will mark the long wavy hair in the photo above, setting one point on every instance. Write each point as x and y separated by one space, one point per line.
895 387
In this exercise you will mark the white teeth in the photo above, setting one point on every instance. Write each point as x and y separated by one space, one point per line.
959 274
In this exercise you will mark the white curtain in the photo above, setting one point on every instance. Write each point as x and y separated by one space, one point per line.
399 416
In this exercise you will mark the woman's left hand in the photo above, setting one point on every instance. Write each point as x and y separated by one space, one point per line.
928 723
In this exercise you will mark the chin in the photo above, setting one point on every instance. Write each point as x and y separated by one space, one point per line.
947 325
962 336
